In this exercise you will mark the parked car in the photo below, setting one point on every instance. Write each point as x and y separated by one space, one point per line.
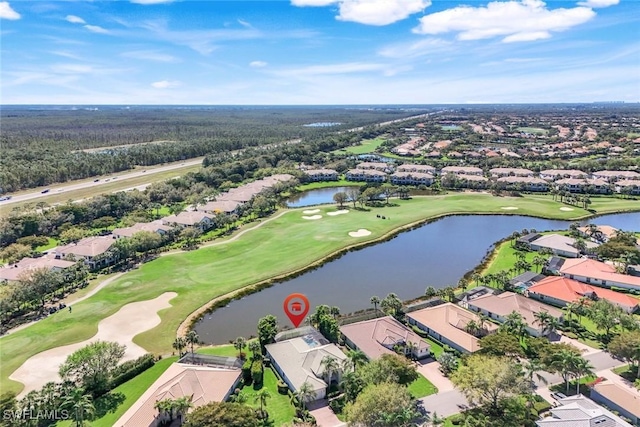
45 191
558 396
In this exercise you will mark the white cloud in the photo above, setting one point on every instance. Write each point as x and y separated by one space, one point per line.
146 2
257 64
75 19
6 12
166 84
96 29
72 68
415 49
524 20
330 69
150 55
245 23
598 3
371 12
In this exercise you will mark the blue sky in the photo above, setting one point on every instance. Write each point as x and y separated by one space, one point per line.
319 51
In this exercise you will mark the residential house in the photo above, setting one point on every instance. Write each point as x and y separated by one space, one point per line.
462 170
560 291
200 384
601 233
501 172
366 175
378 166
612 176
598 273
382 336
407 167
216 207
26 266
527 183
299 360
152 227
590 185
411 178
447 322
473 293
92 250
190 219
498 307
628 186
623 400
525 280
472 181
580 411
560 245
316 175
555 174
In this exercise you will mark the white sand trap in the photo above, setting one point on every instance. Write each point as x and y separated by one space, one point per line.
340 212
311 211
312 217
360 233
131 320
564 208
509 208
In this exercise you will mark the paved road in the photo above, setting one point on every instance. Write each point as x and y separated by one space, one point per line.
444 404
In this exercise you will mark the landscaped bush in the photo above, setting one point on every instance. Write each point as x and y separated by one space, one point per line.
457 419
246 372
419 331
541 407
257 372
283 388
130 369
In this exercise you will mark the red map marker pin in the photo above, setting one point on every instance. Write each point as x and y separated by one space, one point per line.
296 307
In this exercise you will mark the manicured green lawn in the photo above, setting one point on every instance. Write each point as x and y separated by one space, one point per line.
537 131
220 350
279 246
421 387
436 348
367 146
505 258
52 244
279 406
342 182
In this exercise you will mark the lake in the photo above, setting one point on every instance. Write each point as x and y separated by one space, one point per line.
437 254
319 196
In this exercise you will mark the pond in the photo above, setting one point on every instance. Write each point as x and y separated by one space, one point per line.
437 254
319 196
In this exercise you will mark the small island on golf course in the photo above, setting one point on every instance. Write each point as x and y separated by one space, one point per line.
279 246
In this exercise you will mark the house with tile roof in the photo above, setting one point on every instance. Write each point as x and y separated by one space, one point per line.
560 291
23 269
580 411
500 172
462 170
616 175
190 219
498 307
202 384
554 174
220 206
598 273
411 178
560 245
447 322
152 227
315 175
575 185
299 360
623 400
92 250
528 183
368 175
376 337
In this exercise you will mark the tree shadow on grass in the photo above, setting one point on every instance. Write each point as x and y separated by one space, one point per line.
108 403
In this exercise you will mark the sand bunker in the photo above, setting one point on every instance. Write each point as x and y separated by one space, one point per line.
360 233
311 211
564 208
340 212
312 217
131 320
509 208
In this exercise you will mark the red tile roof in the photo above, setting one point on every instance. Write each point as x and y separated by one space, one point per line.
571 290
597 270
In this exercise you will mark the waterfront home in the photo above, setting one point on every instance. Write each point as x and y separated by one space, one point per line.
560 245
411 178
315 175
190 219
580 411
526 279
92 250
591 185
242 194
599 233
23 269
598 273
407 167
473 293
384 335
560 291
554 174
447 323
462 170
628 186
152 227
527 183
378 166
200 384
366 175
220 206
623 400
500 172
472 181
612 176
299 360
498 307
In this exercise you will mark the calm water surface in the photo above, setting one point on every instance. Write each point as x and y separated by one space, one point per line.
320 196
437 254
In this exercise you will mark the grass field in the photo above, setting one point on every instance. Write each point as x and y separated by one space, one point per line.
367 146
282 245
279 406
535 131
421 387
342 182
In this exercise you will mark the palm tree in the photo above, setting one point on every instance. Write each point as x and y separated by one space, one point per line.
262 396
182 406
544 320
437 420
192 338
80 405
254 348
239 344
179 344
330 365
375 301
564 362
514 324
539 262
335 311
305 393
354 359
531 369
472 327
483 319
582 368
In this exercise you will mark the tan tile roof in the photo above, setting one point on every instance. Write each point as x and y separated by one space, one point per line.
622 397
87 247
152 227
372 336
188 218
597 270
220 206
508 302
449 320
461 170
205 384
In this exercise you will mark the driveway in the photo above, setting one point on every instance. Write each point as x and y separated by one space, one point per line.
445 404
324 415
430 369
